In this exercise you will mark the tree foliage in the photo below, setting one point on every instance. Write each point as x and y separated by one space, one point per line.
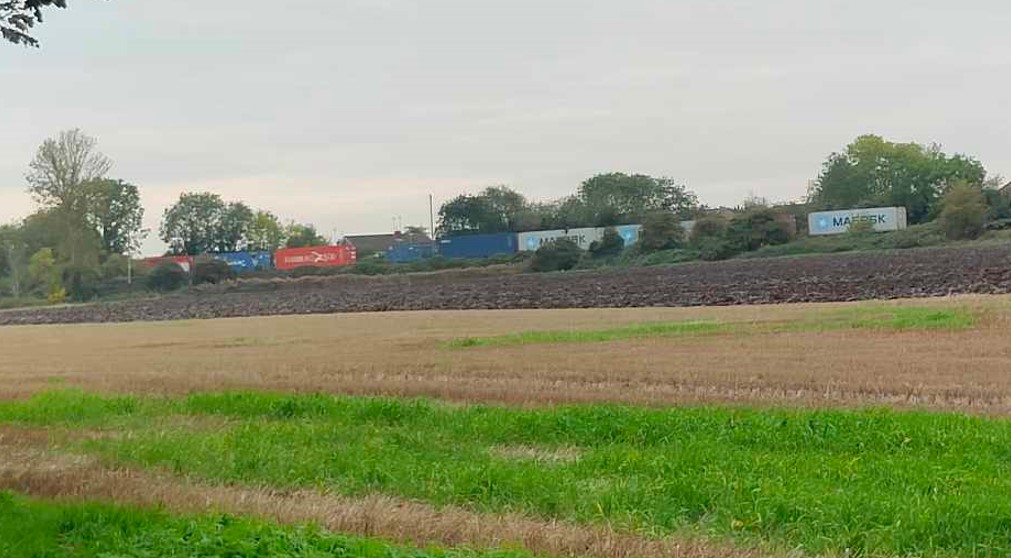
964 213
18 17
266 233
115 212
190 226
758 227
873 171
610 244
661 230
302 236
618 198
558 255
62 167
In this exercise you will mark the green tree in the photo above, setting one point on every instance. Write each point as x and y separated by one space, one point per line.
13 261
756 228
558 255
116 214
610 244
873 171
302 236
233 227
618 198
266 233
493 210
661 230
18 17
964 212
191 225
44 273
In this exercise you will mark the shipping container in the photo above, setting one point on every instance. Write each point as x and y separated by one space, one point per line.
239 262
531 241
406 252
262 260
883 219
629 233
185 262
315 256
477 245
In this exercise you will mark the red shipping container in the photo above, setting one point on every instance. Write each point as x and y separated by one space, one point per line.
315 256
185 262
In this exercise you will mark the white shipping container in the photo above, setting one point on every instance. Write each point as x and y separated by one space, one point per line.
838 222
531 241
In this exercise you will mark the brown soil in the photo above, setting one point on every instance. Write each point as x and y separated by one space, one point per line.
827 278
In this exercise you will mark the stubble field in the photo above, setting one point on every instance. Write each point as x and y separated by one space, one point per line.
870 428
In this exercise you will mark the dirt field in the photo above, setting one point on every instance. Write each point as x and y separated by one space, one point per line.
830 278
399 354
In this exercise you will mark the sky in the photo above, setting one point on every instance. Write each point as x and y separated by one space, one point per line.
349 113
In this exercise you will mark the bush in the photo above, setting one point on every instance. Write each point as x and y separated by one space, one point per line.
610 245
212 272
860 227
558 255
80 282
964 212
661 231
758 227
707 228
167 277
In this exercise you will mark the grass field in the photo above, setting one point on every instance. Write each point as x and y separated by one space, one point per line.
871 429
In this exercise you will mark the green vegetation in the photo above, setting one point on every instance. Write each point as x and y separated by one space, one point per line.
876 482
34 529
897 318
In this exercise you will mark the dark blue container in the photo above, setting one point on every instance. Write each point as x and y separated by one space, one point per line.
478 245
262 260
405 252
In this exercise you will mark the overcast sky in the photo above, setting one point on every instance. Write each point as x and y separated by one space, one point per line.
347 113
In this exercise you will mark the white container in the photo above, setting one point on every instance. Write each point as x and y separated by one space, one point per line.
883 219
531 241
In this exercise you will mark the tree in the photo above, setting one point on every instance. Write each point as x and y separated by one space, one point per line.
266 232
233 227
61 168
302 236
964 212
661 231
610 244
191 225
116 214
873 171
558 255
18 17
618 198
756 228
493 210
13 262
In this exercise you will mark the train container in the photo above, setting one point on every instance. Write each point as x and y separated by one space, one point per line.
531 241
629 233
185 262
477 246
883 219
262 260
407 252
315 256
239 262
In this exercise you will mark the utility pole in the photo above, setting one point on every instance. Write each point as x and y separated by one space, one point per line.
431 216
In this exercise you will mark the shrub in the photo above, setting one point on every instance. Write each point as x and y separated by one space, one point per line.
860 227
81 282
758 227
610 245
964 211
661 231
708 227
167 277
558 255
212 272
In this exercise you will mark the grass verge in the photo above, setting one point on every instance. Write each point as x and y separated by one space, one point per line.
871 481
32 529
885 318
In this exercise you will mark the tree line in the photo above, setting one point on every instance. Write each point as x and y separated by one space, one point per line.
88 225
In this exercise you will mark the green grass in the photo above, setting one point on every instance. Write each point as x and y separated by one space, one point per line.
891 318
35 529
874 481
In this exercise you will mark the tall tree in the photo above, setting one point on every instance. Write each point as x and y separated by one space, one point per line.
233 227
191 225
61 168
874 171
493 210
618 198
18 17
266 233
116 214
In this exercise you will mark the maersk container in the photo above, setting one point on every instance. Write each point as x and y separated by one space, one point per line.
407 252
882 219
477 246
531 241
629 233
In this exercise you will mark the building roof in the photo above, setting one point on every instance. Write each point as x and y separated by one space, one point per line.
382 242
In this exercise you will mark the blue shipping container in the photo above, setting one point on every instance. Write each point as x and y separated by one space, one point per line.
405 252
262 260
478 245
240 262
